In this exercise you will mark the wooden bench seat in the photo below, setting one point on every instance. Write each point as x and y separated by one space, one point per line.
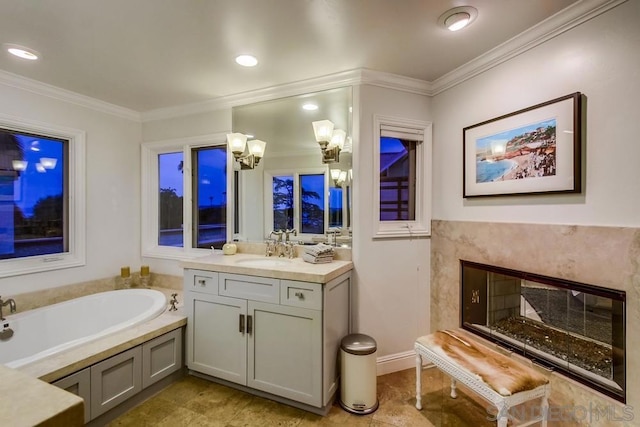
502 381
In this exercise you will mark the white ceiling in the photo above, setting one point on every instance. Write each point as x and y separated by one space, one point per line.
151 54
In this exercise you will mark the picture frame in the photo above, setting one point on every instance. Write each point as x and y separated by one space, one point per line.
536 150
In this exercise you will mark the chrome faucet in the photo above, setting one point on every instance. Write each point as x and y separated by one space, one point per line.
273 245
12 307
288 246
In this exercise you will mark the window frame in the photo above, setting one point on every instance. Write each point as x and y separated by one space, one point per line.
421 225
150 195
76 204
268 199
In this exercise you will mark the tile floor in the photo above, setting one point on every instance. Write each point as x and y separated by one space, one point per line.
196 402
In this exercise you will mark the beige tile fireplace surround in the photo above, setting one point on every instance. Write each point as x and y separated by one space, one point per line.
603 256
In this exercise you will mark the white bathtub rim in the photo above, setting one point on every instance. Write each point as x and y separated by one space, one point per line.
159 307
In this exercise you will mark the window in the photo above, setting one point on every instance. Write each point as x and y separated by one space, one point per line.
297 200
402 178
185 191
41 197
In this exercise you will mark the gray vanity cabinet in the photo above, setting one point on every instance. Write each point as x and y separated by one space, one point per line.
270 335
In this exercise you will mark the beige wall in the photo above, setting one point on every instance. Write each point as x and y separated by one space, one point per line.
591 237
602 256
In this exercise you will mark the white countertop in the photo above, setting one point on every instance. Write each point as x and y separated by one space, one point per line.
290 269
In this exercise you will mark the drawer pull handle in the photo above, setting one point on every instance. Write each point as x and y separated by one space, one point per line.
249 325
300 295
241 324
202 282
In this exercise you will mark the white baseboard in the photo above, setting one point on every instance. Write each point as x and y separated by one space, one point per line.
396 362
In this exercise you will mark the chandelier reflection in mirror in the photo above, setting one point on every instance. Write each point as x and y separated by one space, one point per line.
331 140
338 176
238 142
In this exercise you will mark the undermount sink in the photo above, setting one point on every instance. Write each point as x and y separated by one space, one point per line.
264 262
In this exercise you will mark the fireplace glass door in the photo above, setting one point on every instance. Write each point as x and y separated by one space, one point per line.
574 328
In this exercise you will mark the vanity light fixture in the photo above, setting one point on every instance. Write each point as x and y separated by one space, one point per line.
338 176
457 18
331 140
21 51
238 142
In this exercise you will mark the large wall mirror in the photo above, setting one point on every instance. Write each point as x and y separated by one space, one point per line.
292 187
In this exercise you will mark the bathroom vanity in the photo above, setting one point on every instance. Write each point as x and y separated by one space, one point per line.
270 326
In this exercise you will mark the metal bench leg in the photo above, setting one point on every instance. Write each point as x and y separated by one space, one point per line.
418 381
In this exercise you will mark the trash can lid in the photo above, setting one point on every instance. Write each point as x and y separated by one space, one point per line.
359 344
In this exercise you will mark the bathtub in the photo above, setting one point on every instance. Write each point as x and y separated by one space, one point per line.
54 328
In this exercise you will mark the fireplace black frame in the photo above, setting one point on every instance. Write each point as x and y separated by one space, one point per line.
613 294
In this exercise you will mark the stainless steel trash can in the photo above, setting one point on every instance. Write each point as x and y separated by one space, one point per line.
358 393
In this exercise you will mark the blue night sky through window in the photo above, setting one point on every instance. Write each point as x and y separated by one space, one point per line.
34 185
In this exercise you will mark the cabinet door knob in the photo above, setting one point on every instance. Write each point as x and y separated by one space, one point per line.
202 282
300 295
249 325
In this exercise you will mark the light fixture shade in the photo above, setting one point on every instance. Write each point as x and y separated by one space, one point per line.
40 168
48 162
237 142
323 130
457 21
343 176
458 18
337 138
256 147
19 165
335 174
348 145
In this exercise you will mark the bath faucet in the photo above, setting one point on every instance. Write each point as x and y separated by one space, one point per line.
12 307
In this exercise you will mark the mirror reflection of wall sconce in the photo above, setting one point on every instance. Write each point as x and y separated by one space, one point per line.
19 165
331 140
237 143
338 177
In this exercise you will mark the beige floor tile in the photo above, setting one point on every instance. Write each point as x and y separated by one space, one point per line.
194 401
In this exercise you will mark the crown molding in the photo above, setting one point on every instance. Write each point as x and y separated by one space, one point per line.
329 81
563 21
44 89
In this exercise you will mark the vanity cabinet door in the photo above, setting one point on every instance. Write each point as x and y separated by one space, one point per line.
285 352
216 336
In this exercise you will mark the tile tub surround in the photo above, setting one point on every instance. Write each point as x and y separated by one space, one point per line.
602 256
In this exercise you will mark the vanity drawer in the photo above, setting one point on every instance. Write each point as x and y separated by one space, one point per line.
301 294
253 288
206 282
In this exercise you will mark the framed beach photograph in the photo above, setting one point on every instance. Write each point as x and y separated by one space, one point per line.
534 150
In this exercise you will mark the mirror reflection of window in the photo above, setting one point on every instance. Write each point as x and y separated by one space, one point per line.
335 206
312 193
283 202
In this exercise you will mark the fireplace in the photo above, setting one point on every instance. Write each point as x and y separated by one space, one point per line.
573 328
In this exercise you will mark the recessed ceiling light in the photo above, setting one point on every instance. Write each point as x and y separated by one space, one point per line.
309 107
457 18
247 60
22 51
